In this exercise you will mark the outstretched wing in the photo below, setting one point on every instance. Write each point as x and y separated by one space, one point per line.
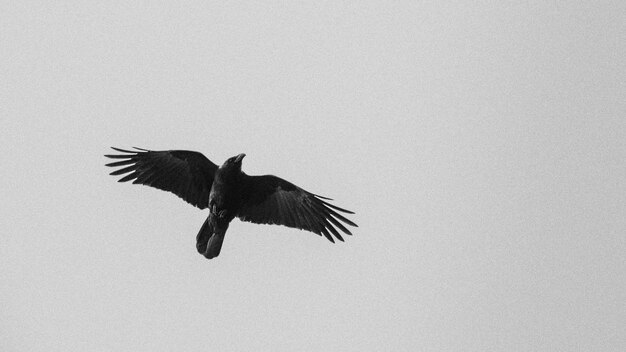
271 200
187 174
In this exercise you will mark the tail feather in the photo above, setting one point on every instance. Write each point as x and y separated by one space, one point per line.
215 245
210 238
203 236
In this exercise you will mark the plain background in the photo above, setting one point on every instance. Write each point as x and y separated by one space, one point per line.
481 146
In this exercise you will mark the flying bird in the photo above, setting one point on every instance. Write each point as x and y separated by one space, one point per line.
228 193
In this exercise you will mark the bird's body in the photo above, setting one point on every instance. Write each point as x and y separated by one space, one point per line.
228 193
227 187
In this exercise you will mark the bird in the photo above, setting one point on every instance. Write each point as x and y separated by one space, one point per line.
227 192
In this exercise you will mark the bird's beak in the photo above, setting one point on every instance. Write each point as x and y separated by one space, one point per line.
239 157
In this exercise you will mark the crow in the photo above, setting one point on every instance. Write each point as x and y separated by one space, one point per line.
228 193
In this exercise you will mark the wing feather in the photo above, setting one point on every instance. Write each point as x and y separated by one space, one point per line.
271 200
187 174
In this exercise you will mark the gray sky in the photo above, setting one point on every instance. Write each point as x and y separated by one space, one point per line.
482 148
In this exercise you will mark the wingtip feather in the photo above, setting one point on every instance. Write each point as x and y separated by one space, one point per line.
122 150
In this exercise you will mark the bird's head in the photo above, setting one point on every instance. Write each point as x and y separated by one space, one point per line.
233 163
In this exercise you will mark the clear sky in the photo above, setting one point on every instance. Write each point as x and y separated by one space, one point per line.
482 148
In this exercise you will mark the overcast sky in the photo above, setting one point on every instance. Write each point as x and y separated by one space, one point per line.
482 148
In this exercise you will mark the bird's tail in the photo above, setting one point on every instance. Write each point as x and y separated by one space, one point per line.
209 239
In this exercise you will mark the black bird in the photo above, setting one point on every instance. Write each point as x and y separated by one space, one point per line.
229 193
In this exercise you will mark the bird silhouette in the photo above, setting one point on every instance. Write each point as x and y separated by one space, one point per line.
228 193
